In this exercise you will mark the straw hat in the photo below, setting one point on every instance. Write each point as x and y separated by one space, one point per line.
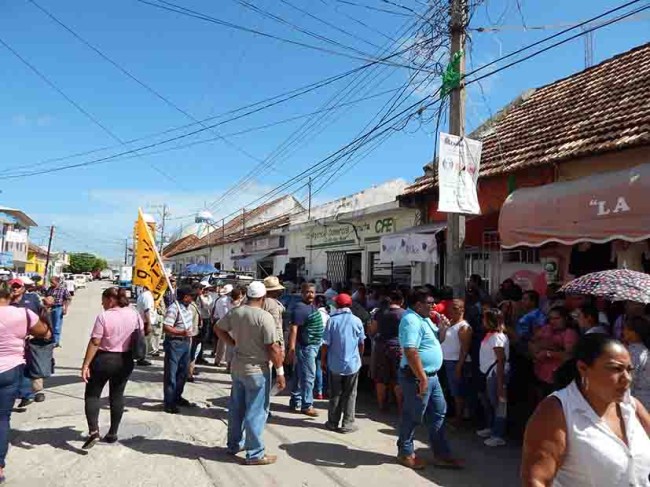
272 283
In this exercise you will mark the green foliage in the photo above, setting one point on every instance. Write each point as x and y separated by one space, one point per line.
85 262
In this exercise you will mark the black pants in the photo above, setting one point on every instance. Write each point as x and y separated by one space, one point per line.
114 368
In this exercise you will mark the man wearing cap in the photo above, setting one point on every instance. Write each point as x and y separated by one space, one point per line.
221 308
30 389
177 327
62 299
251 331
341 355
271 304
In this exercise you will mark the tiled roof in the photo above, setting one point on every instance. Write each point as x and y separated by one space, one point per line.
180 245
231 231
601 109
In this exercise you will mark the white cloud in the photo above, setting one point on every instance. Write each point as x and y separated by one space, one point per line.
24 120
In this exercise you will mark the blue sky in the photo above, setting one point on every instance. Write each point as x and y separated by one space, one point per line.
207 69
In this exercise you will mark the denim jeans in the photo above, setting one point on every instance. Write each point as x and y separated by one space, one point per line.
414 411
177 363
26 391
496 412
247 413
9 386
302 392
56 316
321 382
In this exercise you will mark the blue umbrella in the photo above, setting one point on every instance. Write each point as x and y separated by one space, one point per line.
200 269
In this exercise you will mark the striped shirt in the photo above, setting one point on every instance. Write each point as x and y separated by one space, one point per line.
310 324
178 316
114 328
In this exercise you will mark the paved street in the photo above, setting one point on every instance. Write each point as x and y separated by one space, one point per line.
159 449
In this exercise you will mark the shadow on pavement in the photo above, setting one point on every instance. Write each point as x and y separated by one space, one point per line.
153 405
177 449
333 455
55 437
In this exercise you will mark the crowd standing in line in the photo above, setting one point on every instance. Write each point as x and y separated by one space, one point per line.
492 360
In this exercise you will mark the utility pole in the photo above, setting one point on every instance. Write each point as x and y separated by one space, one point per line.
455 262
126 251
49 249
165 214
309 203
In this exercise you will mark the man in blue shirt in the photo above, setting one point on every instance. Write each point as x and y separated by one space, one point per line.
341 354
533 317
418 377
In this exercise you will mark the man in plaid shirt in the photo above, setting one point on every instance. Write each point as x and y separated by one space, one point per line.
61 300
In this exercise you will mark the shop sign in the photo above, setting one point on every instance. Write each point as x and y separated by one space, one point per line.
6 259
345 232
458 167
16 236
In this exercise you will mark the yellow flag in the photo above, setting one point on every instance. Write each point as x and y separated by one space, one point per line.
149 270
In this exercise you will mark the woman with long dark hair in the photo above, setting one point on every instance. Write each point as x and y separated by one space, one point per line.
591 431
15 324
109 358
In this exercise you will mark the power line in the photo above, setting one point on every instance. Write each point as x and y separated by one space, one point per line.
375 9
201 16
130 75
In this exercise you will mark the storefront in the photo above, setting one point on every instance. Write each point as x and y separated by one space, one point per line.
585 225
264 256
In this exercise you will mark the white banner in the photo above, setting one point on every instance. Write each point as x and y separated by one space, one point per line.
459 160
413 247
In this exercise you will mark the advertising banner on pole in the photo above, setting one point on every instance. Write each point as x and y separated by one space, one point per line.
459 160
413 247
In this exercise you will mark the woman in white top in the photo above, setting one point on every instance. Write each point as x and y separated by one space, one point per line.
455 352
493 366
592 432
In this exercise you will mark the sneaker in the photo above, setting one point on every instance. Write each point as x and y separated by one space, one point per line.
265 460
351 428
143 363
494 441
39 397
22 406
484 433
320 397
293 408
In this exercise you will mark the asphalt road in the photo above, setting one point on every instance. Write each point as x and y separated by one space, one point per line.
157 449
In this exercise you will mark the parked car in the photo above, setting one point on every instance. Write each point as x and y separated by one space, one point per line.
106 274
70 285
88 275
79 280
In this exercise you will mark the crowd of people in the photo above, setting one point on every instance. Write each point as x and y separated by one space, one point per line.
493 359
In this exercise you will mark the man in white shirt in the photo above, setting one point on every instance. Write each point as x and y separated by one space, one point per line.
221 309
146 307
205 304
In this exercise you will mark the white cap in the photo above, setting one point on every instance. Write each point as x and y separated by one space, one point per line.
256 290
227 289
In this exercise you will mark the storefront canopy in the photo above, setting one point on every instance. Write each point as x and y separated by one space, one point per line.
598 208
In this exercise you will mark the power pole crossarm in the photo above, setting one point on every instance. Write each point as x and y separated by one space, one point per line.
455 262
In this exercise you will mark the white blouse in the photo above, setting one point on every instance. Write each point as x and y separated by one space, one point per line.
451 345
595 456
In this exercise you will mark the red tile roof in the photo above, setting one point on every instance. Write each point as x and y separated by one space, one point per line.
601 109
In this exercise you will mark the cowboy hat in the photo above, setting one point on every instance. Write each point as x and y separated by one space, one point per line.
272 283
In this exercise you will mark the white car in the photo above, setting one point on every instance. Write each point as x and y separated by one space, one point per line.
79 280
70 285
88 276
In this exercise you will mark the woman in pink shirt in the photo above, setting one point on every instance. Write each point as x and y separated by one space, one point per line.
109 359
550 347
15 324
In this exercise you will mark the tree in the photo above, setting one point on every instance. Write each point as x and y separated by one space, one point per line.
85 262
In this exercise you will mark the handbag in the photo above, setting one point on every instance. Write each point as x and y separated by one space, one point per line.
138 344
39 356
